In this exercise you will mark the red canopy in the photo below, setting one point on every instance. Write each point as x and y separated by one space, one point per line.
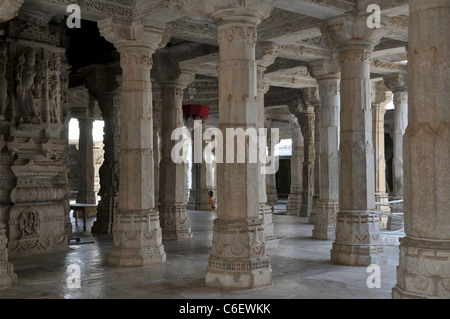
196 111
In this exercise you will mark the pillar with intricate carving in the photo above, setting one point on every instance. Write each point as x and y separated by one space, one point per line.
357 226
294 203
136 231
271 179
173 178
238 258
86 193
265 56
308 123
398 84
380 98
328 77
423 270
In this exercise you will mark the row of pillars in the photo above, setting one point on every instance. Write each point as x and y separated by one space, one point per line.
238 258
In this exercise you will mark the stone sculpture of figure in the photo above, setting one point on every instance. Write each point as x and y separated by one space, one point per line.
54 99
3 83
25 74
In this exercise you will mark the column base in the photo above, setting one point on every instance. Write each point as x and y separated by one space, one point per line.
238 258
175 222
86 197
307 204
294 204
357 255
7 276
137 239
423 270
270 239
325 226
358 241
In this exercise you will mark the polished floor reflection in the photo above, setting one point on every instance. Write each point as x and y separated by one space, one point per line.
301 269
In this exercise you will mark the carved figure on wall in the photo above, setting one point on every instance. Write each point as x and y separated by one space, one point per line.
54 65
25 73
3 83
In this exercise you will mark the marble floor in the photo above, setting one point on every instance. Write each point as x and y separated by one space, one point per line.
301 269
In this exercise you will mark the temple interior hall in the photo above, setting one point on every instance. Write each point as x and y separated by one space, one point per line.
224 149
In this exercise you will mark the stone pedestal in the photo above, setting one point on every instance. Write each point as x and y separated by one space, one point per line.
136 232
357 227
238 258
423 270
327 74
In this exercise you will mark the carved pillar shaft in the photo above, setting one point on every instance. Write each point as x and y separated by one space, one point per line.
400 124
137 232
294 203
328 203
238 258
271 181
173 177
423 270
199 181
307 125
86 194
110 104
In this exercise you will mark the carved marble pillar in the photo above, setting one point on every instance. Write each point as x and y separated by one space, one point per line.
398 84
86 194
103 83
271 179
308 123
200 189
380 98
137 233
357 227
265 55
173 177
110 105
328 77
238 258
295 197
156 148
424 270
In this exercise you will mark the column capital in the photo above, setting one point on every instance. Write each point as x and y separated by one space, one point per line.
325 70
396 82
9 9
350 32
222 10
381 95
133 36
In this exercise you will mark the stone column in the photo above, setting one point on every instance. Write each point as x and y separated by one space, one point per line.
103 84
110 105
238 258
7 276
271 179
380 98
265 55
137 233
173 177
294 203
424 270
86 194
199 186
397 83
308 123
328 77
156 148
357 227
